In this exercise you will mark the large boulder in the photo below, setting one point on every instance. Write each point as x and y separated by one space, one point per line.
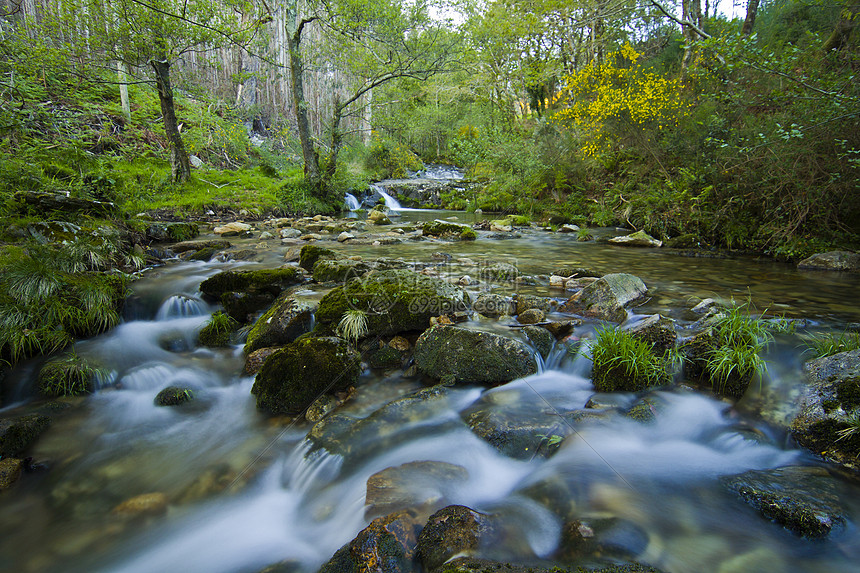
393 301
284 322
829 409
18 434
832 261
637 239
804 500
444 229
293 377
606 298
310 254
387 545
268 281
418 484
472 357
453 530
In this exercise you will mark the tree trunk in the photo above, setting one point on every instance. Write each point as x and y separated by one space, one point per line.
749 22
844 26
300 104
122 76
180 168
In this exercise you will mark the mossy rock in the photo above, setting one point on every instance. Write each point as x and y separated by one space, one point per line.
686 241
270 281
310 254
412 485
804 500
172 232
205 254
468 235
174 396
66 376
498 272
338 270
18 434
443 229
527 302
453 530
385 357
283 323
474 565
657 330
607 297
387 545
242 306
493 305
394 301
293 377
472 357
218 331
543 339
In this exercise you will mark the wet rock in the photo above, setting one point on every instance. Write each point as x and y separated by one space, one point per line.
493 305
216 244
601 537
686 241
569 228
387 545
829 409
526 302
254 361
472 357
283 323
48 202
542 339
310 254
68 375
561 328
804 500
10 471
607 297
205 254
145 505
637 239
399 343
269 281
395 423
656 330
498 272
321 407
531 316
832 261
444 229
18 434
243 306
174 396
344 237
171 232
293 377
290 233
419 484
520 433
378 216
501 225
394 301
472 565
706 306
453 530
385 357
339 270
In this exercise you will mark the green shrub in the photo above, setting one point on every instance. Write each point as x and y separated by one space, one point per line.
388 159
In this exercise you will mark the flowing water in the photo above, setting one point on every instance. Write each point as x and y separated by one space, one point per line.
244 491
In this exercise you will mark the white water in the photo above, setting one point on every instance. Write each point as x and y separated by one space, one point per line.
351 202
275 502
390 201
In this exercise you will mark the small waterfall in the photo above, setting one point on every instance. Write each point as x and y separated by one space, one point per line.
351 202
390 201
180 306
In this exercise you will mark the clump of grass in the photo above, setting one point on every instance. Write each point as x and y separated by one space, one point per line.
68 376
218 331
823 345
584 235
622 362
353 325
734 359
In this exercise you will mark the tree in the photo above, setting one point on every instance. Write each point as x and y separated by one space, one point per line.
366 43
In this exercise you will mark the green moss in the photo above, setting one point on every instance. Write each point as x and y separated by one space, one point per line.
204 254
18 434
174 396
385 357
443 229
468 235
338 270
293 377
848 393
271 281
310 254
394 301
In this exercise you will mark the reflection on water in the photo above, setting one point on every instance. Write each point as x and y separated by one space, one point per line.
243 491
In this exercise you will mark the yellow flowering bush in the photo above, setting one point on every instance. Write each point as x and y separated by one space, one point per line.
618 97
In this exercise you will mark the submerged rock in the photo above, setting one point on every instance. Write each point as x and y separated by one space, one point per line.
393 301
419 484
829 408
472 565
284 322
18 434
144 505
453 530
174 396
293 377
804 500
832 261
607 297
472 357
10 471
637 239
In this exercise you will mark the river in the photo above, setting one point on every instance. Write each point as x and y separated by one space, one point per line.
243 493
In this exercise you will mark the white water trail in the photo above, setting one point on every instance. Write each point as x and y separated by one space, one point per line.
351 202
390 202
